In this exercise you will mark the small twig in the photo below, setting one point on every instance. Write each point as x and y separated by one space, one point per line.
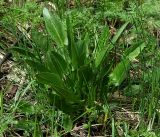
17 134
81 127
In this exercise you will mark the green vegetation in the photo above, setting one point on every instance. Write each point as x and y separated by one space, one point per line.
80 68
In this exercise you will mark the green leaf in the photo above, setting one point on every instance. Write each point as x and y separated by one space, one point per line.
77 51
57 83
103 38
70 35
136 52
118 34
56 63
100 56
101 49
59 62
82 48
120 71
85 72
62 102
37 66
50 64
50 79
55 28
104 50
72 50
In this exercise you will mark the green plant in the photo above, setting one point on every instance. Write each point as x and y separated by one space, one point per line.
75 75
77 63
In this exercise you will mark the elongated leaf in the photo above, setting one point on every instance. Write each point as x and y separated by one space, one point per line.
55 28
50 79
101 49
104 50
85 72
70 35
77 51
120 71
100 56
57 83
72 46
56 63
132 52
103 38
50 64
118 34
36 66
136 52
82 50
62 103
59 61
